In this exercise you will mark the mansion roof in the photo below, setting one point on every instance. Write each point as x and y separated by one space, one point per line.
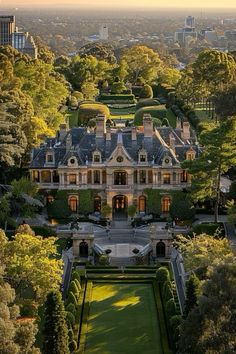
81 144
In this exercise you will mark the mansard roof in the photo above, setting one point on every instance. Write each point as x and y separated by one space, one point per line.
80 143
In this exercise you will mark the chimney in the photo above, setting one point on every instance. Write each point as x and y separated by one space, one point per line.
172 142
133 134
148 126
100 126
178 123
62 132
185 131
108 134
68 142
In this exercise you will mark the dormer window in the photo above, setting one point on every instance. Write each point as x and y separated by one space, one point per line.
49 158
142 156
190 155
72 161
96 156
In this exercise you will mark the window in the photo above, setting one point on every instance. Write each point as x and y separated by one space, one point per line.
104 177
89 177
119 159
73 204
46 176
184 176
190 155
135 177
35 176
72 179
150 177
142 204
166 178
49 158
142 177
166 204
96 177
72 161
142 158
120 178
96 158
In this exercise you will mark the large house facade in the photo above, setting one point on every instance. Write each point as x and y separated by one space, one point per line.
120 164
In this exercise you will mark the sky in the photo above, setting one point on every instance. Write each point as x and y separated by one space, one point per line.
121 3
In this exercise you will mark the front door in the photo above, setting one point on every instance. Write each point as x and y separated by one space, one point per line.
120 207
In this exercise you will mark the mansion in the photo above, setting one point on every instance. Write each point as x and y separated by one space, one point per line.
117 163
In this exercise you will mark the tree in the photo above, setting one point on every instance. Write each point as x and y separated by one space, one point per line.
25 258
132 210
146 92
89 90
218 155
225 102
192 292
142 61
201 251
24 185
55 332
4 211
211 326
182 210
231 211
118 87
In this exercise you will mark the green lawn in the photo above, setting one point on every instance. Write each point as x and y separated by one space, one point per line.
123 319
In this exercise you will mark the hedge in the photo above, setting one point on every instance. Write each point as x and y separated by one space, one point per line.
43 231
209 229
121 98
89 111
159 112
154 198
147 103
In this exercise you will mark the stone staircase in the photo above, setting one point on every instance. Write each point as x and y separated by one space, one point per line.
122 261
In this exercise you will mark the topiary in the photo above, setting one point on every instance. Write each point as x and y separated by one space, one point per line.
71 299
74 288
72 346
146 92
75 275
147 103
71 308
162 275
77 282
167 290
170 308
89 111
70 335
156 122
155 111
70 318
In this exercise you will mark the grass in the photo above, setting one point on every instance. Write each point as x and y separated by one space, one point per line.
123 319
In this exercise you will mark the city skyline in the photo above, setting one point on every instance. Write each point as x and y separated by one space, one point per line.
119 4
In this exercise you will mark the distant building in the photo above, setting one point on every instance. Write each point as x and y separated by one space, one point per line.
183 35
7 28
103 33
231 35
211 36
22 41
190 22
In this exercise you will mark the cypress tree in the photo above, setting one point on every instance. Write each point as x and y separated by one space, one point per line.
192 290
55 332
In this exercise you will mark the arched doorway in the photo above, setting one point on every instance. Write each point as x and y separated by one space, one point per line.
97 203
119 206
83 249
161 249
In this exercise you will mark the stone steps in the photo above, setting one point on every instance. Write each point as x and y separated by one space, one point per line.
122 261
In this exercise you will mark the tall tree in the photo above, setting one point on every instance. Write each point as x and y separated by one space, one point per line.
142 61
192 293
218 155
211 326
55 332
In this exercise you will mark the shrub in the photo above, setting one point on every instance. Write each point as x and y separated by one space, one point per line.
74 289
175 323
170 308
71 299
209 229
119 98
156 122
58 209
71 308
117 87
147 103
162 275
89 111
24 229
146 92
72 346
182 210
77 282
167 290
70 318
70 334
75 275
155 111
43 231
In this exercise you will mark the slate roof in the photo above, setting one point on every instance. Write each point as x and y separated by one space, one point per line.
84 143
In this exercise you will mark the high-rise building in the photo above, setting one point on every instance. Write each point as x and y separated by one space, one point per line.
7 28
103 33
190 22
23 42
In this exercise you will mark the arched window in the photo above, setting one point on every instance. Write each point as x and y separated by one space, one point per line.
46 176
83 249
50 199
97 203
142 204
89 177
73 203
160 249
166 204
184 176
